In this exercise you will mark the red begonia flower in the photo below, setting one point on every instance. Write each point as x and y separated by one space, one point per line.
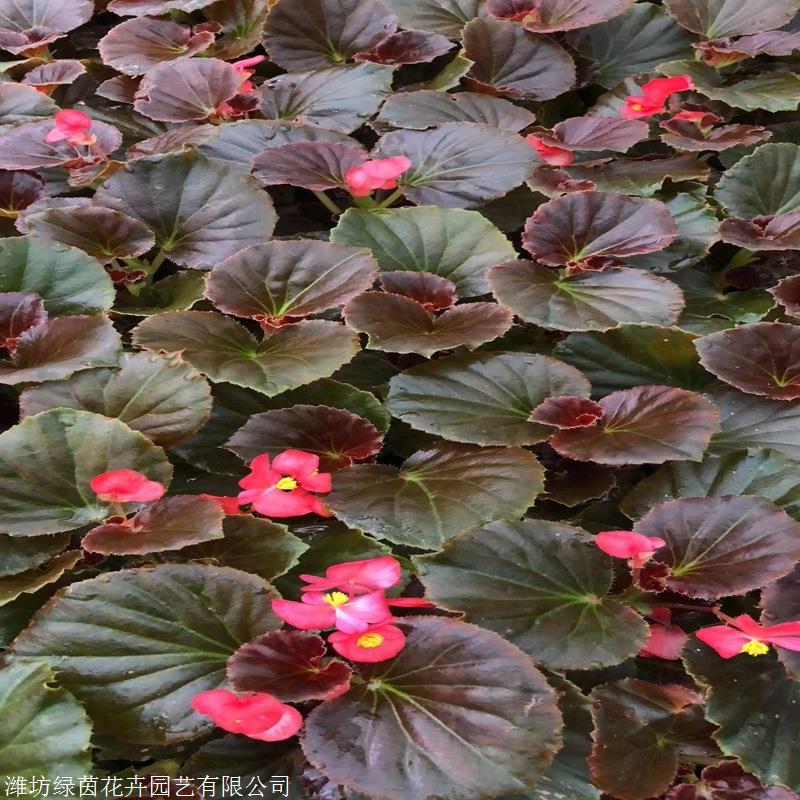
126 486
230 505
335 609
654 96
557 156
284 488
409 602
636 547
243 68
378 643
745 635
258 716
72 126
665 639
380 173
357 577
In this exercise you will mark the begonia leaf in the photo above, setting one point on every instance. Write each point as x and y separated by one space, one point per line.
459 164
67 280
103 233
758 359
140 8
407 47
432 292
289 666
46 733
168 524
542 585
249 760
548 16
687 135
18 190
338 98
728 781
780 232
225 351
485 398
19 555
787 293
176 139
474 699
315 34
635 355
456 244
516 62
242 23
20 103
718 546
178 292
719 19
289 279
748 699
781 603
644 425
47 462
596 133
137 45
162 398
193 616
583 225
337 436
36 578
28 24
55 73
437 493
447 17
18 312
704 299
200 212
584 301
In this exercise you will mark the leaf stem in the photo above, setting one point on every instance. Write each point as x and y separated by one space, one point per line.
328 203
742 257
395 195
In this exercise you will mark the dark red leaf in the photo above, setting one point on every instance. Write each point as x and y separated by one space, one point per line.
780 232
312 165
27 24
54 73
787 293
685 134
408 47
547 16
18 190
728 781
568 412
432 292
596 133
18 312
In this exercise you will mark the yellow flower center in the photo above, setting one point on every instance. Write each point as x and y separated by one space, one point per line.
286 484
636 106
335 598
370 640
755 648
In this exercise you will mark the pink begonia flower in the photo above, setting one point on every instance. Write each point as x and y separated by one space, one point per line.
636 547
258 716
380 173
284 489
377 643
243 68
357 577
745 635
409 602
556 156
72 126
230 505
126 486
665 639
654 96
335 609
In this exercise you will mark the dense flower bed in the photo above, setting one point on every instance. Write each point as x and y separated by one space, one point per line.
400 399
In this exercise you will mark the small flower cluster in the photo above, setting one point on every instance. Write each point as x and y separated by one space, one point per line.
654 96
351 598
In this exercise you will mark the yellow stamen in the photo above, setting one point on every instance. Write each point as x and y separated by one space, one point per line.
335 598
287 484
755 648
370 640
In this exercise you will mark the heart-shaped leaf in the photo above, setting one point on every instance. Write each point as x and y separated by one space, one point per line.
644 425
543 586
635 355
101 232
758 359
503 735
585 301
720 19
128 644
311 35
764 473
459 164
747 698
426 109
337 436
168 524
515 62
288 665
781 603
718 546
311 165
200 212
546 16
46 734
28 24
137 45
447 17
289 279
36 578
437 493
583 225
162 398
781 232
634 43
67 280
47 462
485 398
338 98
399 324
456 244
225 351
596 133
55 349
